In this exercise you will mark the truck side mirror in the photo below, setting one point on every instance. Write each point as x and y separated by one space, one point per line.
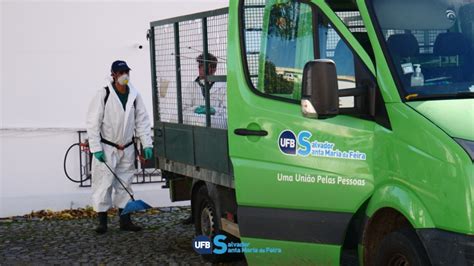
320 94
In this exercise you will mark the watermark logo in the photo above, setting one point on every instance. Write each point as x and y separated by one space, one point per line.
219 246
202 245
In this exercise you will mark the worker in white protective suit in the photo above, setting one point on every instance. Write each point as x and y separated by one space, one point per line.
116 114
193 95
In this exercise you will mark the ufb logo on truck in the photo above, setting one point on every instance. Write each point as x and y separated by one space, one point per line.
302 145
287 142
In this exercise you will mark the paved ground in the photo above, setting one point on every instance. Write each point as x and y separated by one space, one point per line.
164 241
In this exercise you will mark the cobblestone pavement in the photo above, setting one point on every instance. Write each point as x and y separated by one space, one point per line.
163 241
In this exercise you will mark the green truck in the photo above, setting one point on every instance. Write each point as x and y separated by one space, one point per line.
321 132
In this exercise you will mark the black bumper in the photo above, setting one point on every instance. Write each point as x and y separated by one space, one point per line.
448 248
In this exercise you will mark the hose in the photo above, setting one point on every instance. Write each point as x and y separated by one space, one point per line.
65 160
86 146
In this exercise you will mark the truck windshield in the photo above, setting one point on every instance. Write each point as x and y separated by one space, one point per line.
430 44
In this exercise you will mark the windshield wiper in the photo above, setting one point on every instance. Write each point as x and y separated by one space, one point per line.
458 95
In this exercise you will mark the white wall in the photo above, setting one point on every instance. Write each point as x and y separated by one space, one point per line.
1 108
54 56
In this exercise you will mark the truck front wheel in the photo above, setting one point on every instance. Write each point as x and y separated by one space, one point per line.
400 248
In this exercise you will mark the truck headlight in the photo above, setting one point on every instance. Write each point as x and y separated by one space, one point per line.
468 146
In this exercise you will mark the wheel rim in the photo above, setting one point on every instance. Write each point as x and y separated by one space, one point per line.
398 260
207 221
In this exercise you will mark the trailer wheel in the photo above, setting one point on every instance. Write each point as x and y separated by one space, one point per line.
401 248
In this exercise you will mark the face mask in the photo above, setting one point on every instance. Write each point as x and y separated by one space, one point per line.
124 79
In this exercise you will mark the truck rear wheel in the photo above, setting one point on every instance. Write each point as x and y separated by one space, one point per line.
206 223
401 248
205 219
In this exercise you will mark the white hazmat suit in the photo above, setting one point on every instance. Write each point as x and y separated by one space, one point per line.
119 126
193 97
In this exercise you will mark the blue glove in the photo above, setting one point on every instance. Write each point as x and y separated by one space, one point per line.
148 153
201 110
100 155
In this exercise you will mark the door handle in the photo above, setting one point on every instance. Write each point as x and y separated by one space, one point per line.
249 132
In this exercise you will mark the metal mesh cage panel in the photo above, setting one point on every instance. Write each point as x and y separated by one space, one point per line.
191 57
189 53
352 20
166 73
217 41
190 47
253 11
217 45
425 38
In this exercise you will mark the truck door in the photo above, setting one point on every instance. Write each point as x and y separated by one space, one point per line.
299 181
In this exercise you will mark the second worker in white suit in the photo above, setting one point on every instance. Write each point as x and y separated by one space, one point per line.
116 114
194 109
